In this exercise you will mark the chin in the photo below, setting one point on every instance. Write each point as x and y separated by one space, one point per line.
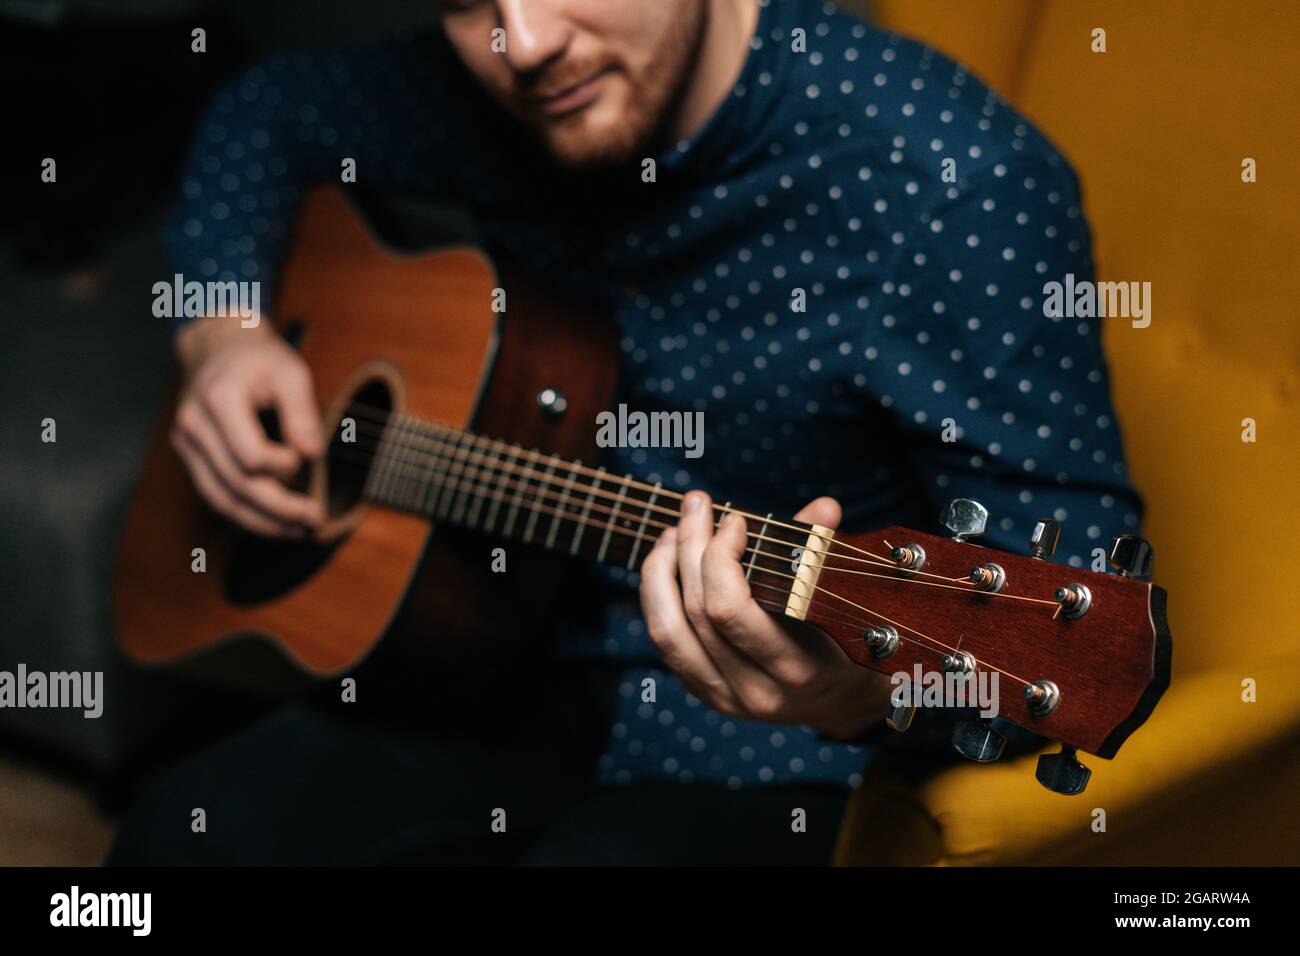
580 152
600 136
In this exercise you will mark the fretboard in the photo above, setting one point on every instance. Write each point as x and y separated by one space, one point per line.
456 477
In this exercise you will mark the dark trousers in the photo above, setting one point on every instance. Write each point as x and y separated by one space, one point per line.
321 785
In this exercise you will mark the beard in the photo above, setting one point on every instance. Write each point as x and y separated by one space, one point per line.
632 118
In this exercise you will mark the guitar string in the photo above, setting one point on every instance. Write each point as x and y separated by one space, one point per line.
777 608
440 456
468 456
545 491
461 455
825 611
473 485
458 454
577 518
388 415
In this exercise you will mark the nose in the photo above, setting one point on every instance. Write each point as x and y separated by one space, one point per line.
536 33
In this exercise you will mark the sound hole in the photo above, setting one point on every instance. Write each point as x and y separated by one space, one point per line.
353 445
264 569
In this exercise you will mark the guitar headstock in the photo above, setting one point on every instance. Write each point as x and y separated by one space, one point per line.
1078 656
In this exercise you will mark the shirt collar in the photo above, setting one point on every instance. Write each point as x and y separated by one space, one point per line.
735 130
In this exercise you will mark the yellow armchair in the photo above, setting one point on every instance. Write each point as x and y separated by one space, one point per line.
1158 127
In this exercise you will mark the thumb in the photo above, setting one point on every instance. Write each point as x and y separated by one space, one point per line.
822 511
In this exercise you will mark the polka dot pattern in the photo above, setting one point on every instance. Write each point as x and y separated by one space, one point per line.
800 271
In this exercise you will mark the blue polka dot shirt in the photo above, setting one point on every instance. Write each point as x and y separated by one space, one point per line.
846 262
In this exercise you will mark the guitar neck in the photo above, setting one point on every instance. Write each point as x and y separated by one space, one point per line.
456 477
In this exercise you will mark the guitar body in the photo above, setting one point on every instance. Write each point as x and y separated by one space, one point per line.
414 332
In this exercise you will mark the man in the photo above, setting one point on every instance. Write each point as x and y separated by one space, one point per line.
829 240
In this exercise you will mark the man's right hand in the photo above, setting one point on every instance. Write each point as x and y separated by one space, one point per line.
231 374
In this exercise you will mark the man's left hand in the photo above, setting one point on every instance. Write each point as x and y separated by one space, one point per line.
732 654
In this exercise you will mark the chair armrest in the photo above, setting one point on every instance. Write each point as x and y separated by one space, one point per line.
1201 737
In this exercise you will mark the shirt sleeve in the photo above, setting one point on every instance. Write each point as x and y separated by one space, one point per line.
998 402
292 121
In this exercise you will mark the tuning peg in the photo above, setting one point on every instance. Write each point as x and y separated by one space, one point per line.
964 518
1062 773
1044 537
899 716
881 640
1132 556
977 740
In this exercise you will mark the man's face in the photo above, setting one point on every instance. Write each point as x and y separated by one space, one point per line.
596 79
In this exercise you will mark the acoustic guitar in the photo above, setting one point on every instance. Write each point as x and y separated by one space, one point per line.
457 429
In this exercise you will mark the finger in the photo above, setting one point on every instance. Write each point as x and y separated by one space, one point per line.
295 401
217 495
737 618
823 511
232 411
671 633
261 492
745 677
695 533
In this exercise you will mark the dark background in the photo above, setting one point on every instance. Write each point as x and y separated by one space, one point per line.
111 91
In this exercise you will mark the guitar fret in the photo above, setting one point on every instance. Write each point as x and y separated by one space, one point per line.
484 486
453 475
495 507
536 506
613 516
586 512
442 471
561 506
451 481
645 516
414 453
758 545
469 475
392 450
427 469
517 500
409 463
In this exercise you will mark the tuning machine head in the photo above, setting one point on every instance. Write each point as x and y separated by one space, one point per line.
1062 772
977 740
964 518
1044 538
899 716
881 640
1132 556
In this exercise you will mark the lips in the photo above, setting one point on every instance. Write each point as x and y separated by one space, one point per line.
571 98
